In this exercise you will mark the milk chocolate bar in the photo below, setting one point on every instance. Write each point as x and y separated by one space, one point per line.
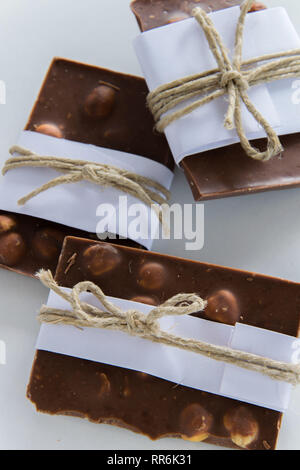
158 408
225 171
90 105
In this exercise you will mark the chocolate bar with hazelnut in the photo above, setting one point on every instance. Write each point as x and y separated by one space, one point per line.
225 171
91 105
157 408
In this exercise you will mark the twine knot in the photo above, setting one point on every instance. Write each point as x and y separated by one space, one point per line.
236 77
133 322
89 173
137 323
230 77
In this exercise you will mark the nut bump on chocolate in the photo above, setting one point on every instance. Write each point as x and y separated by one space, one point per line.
100 102
47 243
195 422
101 259
222 306
152 276
242 426
49 129
7 224
12 248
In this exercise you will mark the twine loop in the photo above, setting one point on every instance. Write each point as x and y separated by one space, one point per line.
135 323
231 77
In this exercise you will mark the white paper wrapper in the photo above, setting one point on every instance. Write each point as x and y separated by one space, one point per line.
185 368
180 49
75 205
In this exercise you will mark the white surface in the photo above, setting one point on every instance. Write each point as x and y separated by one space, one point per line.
81 200
176 365
178 50
257 232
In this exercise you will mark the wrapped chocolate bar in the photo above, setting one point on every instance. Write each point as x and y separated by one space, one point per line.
220 82
89 140
179 348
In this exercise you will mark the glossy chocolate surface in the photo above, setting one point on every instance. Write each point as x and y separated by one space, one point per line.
90 105
226 171
155 407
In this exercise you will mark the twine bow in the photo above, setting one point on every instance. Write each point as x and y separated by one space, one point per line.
136 323
233 78
145 189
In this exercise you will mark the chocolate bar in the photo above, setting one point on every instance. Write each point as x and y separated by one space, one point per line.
89 105
227 171
61 384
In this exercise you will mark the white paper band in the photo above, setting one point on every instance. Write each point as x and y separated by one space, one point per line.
181 49
75 205
182 367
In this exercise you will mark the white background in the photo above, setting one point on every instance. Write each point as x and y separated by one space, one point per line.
257 232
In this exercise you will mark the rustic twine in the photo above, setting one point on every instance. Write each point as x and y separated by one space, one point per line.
136 323
145 189
231 78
